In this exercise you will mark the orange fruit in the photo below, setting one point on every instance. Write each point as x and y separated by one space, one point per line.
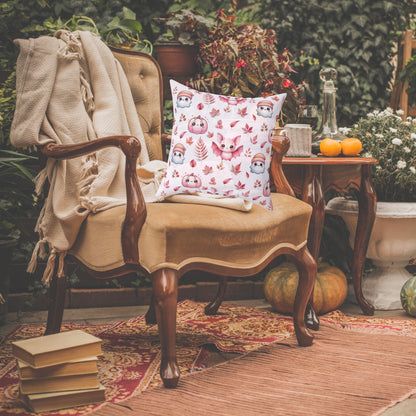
351 147
330 147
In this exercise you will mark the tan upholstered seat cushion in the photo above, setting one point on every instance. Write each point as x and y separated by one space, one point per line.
175 235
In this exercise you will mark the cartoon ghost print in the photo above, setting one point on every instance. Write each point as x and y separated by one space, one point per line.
198 125
178 154
226 147
265 108
258 163
184 99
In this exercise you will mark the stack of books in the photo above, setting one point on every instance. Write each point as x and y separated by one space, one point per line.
59 371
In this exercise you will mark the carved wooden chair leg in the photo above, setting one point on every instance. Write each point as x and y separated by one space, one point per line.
57 293
311 318
307 268
165 290
213 306
150 316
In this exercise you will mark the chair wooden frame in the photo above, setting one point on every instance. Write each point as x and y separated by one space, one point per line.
165 281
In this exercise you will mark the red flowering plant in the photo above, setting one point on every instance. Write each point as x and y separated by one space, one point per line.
243 61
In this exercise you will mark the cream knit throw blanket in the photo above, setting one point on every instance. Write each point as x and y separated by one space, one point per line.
70 89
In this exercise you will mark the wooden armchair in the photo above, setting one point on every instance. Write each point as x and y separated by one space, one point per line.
165 240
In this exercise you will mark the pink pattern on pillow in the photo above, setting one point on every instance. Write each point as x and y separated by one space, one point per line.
221 145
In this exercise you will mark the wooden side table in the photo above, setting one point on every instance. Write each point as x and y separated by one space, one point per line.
311 177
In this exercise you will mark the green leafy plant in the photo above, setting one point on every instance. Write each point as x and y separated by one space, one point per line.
188 27
14 175
242 61
7 106
126 32
392 141
120 32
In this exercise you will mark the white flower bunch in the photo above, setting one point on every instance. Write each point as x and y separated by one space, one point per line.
392 141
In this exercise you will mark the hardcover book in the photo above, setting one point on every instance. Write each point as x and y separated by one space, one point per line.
55 349
64 383
83 366
43 402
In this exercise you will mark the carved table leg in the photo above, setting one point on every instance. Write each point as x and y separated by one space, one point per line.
165 289
212 307
306 265
312 194
367 201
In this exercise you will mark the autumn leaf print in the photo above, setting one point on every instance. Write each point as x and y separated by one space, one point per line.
253 140
201 151
207 170
247 129
247 153
214 112
242 112
209 99
212 181
240 185
236 169
210 135
189 141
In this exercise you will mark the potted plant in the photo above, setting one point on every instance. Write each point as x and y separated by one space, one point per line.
392 141
243 61
177 48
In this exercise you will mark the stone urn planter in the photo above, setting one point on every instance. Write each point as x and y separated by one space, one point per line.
392 245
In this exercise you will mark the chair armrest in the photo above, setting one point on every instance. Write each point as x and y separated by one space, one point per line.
135 206
280 145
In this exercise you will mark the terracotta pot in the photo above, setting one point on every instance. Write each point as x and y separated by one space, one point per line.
177 61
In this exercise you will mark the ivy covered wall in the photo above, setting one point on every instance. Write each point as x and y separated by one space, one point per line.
357 37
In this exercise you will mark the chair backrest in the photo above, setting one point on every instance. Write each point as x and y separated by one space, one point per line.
145 80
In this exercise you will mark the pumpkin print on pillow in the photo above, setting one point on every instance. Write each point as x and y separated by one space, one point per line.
221 145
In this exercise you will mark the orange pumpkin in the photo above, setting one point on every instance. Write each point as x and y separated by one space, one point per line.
330 289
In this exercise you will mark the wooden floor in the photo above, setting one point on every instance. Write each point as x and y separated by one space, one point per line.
114 314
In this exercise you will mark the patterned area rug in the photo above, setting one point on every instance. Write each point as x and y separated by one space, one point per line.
132 351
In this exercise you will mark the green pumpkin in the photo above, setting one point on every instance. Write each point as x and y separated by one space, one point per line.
408 296
281 283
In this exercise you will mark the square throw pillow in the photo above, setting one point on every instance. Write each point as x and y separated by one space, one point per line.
221 145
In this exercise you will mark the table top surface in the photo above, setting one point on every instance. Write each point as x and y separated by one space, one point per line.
326 160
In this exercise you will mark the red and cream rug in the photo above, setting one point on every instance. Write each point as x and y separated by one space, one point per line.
132 352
